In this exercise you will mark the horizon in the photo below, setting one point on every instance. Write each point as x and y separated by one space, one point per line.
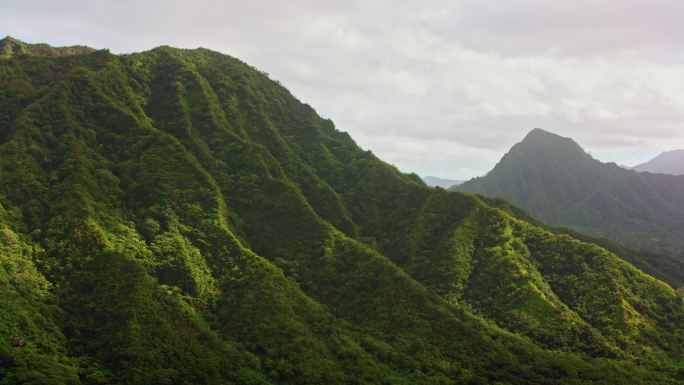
439 89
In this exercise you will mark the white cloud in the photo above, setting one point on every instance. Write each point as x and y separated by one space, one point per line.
426 85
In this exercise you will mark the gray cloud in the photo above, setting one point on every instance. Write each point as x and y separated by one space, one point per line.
438 87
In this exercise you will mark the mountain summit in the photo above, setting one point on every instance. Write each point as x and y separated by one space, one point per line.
550 144
549 154
555 180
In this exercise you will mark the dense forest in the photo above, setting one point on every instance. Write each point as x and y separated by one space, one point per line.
176 217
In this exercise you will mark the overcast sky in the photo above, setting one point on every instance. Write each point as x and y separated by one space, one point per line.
435 87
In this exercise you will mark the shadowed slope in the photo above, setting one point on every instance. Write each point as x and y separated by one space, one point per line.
553 179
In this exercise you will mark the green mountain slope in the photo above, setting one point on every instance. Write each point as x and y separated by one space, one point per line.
663 267
174 216
553 179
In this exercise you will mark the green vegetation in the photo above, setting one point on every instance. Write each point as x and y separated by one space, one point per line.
553 179
176 217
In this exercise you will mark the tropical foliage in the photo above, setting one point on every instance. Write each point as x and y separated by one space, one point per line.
176 217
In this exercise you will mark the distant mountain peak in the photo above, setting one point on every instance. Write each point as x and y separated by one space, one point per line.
538 132
537 135
667 162
541 147
555 180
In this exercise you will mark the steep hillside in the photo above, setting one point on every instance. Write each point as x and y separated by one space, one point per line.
668 162
553 179
663 267
174 216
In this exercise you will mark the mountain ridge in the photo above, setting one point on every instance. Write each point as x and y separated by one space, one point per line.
174 216
667 162
556 181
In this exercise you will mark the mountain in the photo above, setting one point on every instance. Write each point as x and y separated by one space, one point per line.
434 181
175 216
553 179
668 162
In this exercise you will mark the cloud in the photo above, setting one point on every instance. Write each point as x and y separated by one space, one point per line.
438 87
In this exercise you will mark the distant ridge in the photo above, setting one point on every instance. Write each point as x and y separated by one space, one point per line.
555 180
668 162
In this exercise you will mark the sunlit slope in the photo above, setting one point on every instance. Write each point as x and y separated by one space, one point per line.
175 216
